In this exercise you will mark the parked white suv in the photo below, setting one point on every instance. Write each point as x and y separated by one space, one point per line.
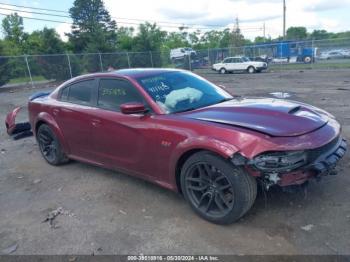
179 53
239 63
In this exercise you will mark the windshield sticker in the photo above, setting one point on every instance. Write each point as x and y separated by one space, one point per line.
159 88
153 80
113 92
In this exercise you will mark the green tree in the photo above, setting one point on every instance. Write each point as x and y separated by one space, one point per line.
51 65
175 40
320 34
45 41
125 39
149 38
93 30
4 68
296 33
261 39
12 27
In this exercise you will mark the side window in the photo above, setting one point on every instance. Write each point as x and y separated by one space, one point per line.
114 92
80 93
228 60
64 94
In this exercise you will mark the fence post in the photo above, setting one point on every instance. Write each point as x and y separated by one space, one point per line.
209 57
101 66
150 53
30 74
189 62
127 55
70 68
313 54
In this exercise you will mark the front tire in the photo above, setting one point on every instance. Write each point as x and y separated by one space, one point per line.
215 189
50 146
222 71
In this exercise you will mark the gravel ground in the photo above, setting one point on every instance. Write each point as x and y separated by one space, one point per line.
104 212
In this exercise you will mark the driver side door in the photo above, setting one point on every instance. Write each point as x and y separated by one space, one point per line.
123 141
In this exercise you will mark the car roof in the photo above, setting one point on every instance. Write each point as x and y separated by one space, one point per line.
142 72
132 73
234 57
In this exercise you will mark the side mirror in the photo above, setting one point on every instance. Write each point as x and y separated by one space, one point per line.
132 108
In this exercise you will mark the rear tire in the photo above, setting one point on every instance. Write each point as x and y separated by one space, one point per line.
251 70
307 59
50 146
215 189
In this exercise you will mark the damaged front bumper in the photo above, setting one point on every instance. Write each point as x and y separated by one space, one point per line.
318 162
322 161
17 130
20 130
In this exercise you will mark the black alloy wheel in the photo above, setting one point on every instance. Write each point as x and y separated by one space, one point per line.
49 145
209 190
217 190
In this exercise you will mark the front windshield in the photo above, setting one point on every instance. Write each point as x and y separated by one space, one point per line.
179 91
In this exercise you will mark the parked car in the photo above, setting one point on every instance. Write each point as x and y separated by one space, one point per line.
265 59
336 54
280 60
184 133
180 53
239 63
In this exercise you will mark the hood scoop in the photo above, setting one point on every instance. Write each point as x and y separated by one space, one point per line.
294 110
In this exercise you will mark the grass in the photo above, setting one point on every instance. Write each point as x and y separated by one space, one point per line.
20 80
317 65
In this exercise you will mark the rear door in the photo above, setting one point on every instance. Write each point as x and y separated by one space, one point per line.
237 63
74 117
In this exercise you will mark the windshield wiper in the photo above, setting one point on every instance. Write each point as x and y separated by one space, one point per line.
185 110
224 100
194 108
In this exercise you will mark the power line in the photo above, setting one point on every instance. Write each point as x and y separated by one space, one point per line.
33 12
40 19
55 21
37 8
205 26
128 23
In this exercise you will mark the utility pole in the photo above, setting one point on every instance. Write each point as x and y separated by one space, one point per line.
284 19
264 31
235 34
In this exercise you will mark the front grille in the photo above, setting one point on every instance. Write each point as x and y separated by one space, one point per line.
313 154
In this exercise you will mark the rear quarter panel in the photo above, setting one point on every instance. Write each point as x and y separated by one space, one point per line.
40 111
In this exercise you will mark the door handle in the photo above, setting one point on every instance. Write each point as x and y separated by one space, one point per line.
96 122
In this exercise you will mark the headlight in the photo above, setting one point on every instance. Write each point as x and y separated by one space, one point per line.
279 161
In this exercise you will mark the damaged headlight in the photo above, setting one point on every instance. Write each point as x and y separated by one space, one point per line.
279 161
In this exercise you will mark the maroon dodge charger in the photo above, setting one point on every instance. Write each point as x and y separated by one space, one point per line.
180 131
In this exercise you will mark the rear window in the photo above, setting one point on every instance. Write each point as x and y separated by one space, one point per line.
78 93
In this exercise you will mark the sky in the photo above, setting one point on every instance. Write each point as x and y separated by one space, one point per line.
204 14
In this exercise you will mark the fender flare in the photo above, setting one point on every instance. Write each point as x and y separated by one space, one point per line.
49 120
220 147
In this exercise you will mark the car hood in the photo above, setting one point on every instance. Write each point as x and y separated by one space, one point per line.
274 117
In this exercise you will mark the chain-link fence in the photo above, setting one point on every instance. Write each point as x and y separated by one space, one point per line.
33 70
